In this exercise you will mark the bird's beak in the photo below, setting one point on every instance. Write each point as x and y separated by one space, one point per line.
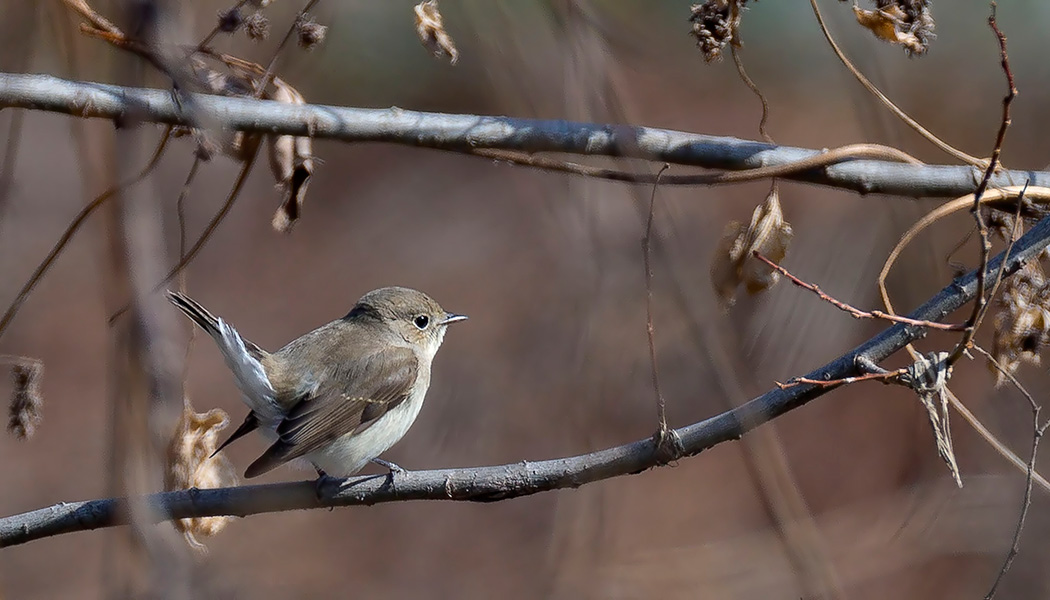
452 318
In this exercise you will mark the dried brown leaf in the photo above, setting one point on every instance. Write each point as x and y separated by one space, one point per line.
768 234
27 403
292 163
191 465
431 30
237 145
725 267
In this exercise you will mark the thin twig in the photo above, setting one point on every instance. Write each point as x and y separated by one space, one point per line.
1015 231
267 77
1026 502
825 158
1039 195
224 210
884 377
180 209
180 212
14 131
7 166
982 228
97 21
751 85
853 311
663 434
73 228
205 235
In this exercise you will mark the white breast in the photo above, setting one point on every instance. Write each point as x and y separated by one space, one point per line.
350 453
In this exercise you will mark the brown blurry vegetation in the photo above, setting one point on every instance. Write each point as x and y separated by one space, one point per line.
845 497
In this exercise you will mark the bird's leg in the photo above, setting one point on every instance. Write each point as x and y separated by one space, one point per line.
326 485
394 468
322 480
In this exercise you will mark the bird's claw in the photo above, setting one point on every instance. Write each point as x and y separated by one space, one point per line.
323 483
393 467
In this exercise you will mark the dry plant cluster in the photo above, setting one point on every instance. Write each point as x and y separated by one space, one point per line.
749 256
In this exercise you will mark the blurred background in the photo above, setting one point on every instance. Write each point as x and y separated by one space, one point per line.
843 498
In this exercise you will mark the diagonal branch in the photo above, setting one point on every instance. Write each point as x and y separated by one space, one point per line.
468 133
487 484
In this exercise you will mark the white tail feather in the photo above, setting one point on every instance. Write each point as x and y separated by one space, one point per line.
248 373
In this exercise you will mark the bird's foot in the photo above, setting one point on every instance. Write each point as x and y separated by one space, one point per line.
323 483
393 467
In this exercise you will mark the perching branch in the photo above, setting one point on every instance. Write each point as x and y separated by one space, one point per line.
467 133
486 484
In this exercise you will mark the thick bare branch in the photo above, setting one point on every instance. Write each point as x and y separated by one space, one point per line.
486 484
466 133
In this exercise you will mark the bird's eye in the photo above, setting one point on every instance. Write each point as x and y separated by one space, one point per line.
421 321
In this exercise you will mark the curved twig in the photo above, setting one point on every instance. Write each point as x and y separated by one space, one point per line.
991 196
825 158
903 116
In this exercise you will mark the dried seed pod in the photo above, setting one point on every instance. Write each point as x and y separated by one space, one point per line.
907 23
230 20
27 403
257 26
292 163
715 24
311 33
768 234
191 464
1022 323
431 31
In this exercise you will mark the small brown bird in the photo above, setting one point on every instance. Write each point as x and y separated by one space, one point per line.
342 394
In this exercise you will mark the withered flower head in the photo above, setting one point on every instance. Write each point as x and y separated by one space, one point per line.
715 24
191 465
257 27
1022 325
230 20
311 33
431 30
907 23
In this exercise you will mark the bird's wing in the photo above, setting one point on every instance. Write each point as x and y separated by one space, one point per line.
344 404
